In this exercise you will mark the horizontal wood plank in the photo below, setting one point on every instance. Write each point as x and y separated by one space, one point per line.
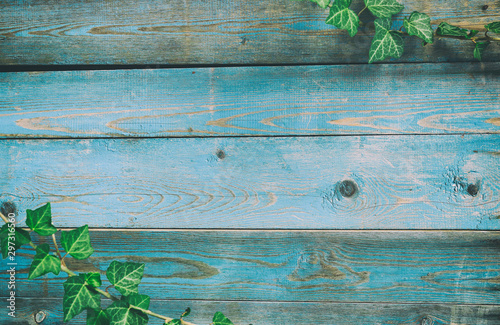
281 313
358 182
331 266
44 32
317 100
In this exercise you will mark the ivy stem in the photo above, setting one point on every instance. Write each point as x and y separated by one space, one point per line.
167 319
57 250
106 294
359 13
4 218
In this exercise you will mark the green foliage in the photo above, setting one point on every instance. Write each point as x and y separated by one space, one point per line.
493 27
18 237
322 3
419 25
78 296
141 301
40 220
93 279
479 48
383 8
446 29
44 263
386 43
121 313
97 317
125 276
342 17
175 321
77 243
220 319
186 312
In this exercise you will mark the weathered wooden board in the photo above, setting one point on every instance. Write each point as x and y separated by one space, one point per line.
46 32
457 267
283 313
315 100
400 182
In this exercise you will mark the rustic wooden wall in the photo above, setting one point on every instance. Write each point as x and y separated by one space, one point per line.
211 139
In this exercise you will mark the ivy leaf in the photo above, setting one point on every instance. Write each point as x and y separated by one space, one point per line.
141 301
446 29
493 27
77 242
472 33
419 25
479 49
97 317
20 236
78 296
93 279
384 8
175 322
321 3
220 319
186 312
125 276
40 220
120 313
43 263
342 17
386 43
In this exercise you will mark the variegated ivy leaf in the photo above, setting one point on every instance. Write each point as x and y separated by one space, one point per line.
77 242
120 313
97 317
175 321
478 50
322 3
220 319
93 279
44 263
125 276
78 296
419 25
384 8
18 237
386 43
493 27
342 17
40 220
141 301
446 29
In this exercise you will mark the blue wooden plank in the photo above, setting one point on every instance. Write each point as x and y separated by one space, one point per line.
317 100
44 32
279 313
456 267
398 182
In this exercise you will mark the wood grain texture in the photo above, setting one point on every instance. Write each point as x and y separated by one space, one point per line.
283 266
401 182
47 32
284 313
317 100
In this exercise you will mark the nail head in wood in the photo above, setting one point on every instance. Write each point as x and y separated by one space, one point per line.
8 207
40 316
221 154
348 188
472 189
427 321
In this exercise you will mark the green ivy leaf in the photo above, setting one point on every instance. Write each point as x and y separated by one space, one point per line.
384 8
125 276
40 220
386 43
446 29
120 313
175 322
97 317
141 301
472 33
220 319
342 17
78 296
20 235
321 3
419 25
186 312
493 27
77 242
43 263
93 279
479 49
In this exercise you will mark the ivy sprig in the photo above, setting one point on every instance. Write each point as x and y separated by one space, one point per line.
389 43
81 291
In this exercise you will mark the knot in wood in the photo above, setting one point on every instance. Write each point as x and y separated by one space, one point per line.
348 188
472 189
